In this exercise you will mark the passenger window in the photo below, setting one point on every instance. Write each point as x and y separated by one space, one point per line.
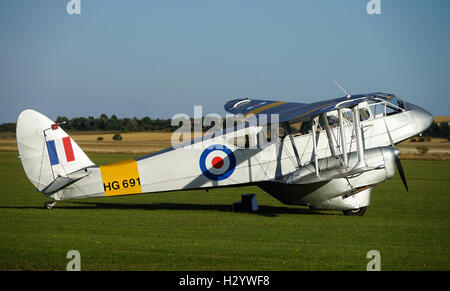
333 121
364 114
349 116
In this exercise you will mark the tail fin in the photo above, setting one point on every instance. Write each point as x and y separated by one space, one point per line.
46 151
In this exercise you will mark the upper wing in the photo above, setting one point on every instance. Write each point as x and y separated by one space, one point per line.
290 110
247 107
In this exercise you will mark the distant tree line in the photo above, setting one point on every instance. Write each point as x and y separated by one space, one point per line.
105 123
441 129
8 127
113 123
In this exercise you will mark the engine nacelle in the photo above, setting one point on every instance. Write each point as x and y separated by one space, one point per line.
337 184
345 193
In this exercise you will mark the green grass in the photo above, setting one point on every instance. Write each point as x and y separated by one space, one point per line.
196 230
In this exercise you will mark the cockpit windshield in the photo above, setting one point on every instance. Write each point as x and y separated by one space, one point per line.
391 98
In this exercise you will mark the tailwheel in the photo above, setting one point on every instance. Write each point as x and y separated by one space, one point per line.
49 204
355 212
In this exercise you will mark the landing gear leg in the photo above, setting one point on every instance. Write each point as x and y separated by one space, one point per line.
49 204
356 212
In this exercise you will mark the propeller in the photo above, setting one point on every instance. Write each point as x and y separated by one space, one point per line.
398 163
400 168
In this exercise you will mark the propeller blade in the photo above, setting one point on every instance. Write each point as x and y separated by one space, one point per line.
397 159
388 133
401 172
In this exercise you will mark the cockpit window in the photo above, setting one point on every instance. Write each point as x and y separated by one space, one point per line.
391 98
391 110
395 100
364 114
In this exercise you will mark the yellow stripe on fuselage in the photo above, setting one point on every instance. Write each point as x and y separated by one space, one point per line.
121 178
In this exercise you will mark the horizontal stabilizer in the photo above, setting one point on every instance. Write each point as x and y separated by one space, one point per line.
59 183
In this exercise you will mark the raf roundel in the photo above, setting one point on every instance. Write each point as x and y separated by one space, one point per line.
217 162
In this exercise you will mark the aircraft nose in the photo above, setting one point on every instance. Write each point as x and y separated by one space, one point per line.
421 118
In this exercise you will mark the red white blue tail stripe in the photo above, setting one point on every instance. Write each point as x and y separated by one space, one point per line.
60 151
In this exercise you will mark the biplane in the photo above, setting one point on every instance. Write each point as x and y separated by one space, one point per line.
326 155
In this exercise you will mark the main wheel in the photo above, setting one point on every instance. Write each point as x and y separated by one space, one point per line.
356 212
49 204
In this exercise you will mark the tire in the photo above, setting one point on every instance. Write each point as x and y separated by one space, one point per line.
355 212
49 205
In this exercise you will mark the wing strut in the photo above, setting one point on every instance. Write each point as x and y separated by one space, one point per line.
329 135
294 147
359 139
343 143
313 134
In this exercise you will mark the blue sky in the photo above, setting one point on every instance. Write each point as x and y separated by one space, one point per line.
159 58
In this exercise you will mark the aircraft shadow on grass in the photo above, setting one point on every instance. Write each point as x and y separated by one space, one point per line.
263 210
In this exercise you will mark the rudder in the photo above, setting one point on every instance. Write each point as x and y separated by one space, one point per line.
45 150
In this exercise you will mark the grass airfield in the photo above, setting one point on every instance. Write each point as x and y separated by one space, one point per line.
196 230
